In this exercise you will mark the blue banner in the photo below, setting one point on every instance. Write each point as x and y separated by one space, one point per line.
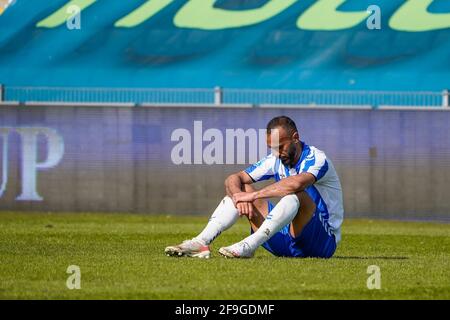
288 44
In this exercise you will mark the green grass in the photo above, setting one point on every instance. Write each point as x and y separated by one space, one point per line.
121 257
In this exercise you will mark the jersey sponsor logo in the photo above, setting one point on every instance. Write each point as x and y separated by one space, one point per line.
310 156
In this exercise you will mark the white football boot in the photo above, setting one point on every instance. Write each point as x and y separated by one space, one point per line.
191 248
237 250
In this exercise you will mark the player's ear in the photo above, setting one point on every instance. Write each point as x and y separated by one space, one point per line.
296 136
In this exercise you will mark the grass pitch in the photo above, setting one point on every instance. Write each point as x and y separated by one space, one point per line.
122 257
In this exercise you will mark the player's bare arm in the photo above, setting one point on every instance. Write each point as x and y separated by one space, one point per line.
233 185
234 182
284 187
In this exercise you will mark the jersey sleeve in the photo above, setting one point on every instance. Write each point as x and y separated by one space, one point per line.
316 163
263 169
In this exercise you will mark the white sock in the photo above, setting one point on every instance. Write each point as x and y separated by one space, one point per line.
283 213
222 219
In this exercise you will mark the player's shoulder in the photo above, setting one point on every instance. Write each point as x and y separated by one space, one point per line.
314 153
269 159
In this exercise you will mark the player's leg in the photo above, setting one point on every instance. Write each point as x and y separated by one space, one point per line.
281 215
223 217
287 212
309 233
306 212
260 210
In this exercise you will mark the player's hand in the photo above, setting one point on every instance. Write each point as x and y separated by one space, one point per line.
245 209
244 197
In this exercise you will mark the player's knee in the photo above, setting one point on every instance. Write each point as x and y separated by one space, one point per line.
291 199
290 204
307 205
227 199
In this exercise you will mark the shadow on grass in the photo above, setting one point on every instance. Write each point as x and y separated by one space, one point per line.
369 258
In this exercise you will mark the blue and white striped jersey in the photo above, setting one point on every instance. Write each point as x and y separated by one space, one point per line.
326 191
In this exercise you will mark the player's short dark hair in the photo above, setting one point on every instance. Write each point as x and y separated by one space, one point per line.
282 121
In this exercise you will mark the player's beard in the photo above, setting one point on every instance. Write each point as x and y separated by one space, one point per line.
290 159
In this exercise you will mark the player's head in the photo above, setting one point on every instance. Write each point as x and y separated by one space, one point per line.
283 139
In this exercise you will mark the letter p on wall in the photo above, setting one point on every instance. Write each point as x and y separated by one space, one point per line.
30 161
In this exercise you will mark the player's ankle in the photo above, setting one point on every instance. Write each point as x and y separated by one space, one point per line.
200 241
